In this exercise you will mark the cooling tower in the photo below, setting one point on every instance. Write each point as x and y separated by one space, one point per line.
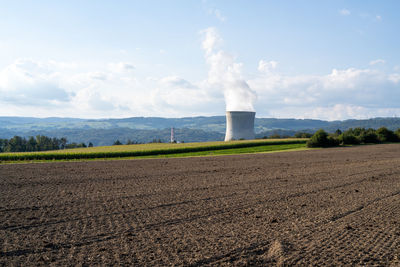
239 125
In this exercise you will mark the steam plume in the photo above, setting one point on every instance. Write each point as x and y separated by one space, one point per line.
225 73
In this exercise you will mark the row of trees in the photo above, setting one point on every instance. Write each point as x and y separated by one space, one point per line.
353 137
130 142
38 143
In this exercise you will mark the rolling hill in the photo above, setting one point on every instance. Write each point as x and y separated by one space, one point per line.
146 129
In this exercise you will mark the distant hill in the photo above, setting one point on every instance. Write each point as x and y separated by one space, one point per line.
189 129
103 137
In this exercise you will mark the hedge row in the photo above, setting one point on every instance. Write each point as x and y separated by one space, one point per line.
120 154
353 137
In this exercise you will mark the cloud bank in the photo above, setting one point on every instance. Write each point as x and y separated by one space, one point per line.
341 94
30 87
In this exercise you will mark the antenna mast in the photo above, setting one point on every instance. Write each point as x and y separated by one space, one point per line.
172 135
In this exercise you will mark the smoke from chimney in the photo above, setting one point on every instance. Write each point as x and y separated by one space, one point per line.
225 73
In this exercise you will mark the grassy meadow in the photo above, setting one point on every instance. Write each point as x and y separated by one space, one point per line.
156 150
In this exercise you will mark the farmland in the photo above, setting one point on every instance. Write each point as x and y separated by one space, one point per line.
337 206
159 150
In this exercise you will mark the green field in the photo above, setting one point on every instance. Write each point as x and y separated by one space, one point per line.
158 150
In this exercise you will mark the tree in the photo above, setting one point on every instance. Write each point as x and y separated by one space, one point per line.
321 139
55 143
63 142
348 138
369 137
44 143
397 132
31 144
338 132
117 143
386 135
16 144
3 144
82 145
90 144
71 145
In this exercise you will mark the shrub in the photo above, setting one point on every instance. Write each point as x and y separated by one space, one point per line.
386 135
338 132
369 136
348 138
333 140
321 139
397 132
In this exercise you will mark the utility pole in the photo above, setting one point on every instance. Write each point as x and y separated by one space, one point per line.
172 135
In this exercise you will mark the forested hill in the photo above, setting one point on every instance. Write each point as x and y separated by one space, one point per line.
145 129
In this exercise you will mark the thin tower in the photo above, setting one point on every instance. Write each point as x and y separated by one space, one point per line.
172 135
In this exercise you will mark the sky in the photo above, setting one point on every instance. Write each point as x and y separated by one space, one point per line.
330 60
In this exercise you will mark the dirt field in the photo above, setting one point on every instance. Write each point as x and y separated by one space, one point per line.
338 206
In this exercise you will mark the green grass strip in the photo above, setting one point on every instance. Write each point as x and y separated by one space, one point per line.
234 151
56 155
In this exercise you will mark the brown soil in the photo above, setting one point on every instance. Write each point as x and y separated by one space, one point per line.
337 206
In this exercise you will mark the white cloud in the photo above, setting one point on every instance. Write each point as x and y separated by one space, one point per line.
371 17
267 66
395 78
26 82
35 88
121 67
217 13
177 97
98 75
342 94
176 82
211 39
344 12
377 61
38 88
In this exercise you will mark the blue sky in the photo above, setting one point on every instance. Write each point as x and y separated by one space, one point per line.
301 59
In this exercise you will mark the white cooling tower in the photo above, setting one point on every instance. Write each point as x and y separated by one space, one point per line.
239 125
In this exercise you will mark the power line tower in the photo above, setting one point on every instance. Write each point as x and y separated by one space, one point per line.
172 135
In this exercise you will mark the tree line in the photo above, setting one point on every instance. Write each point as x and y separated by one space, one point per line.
37 143
353 137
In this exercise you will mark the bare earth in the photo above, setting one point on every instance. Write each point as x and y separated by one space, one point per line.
337 206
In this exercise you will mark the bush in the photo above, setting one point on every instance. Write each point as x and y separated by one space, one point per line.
338 132
397 132
369 136
321 139
333 140
386 135
348 138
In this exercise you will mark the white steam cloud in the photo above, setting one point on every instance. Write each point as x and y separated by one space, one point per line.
225 73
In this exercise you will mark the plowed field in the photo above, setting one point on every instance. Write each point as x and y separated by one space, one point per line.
338 206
